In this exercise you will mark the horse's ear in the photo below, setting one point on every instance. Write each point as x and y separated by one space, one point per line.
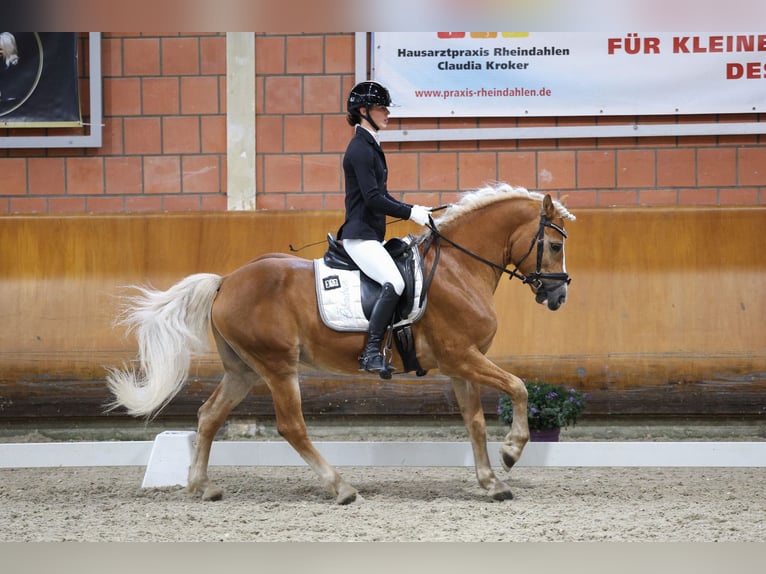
548 209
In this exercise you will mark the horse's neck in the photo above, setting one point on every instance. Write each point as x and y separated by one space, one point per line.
489 228
487 233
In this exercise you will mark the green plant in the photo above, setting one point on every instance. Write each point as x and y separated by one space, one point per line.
548 406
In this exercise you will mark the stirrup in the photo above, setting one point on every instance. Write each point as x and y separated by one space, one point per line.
376 364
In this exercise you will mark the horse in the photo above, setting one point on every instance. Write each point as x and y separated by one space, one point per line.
265 324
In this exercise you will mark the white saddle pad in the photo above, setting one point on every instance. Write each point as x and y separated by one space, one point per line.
339 296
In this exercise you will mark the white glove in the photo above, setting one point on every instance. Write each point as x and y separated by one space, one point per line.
419 214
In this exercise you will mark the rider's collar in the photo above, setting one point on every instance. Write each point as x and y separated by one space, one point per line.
374 134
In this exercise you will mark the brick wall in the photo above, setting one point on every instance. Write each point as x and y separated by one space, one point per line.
165 142
164 135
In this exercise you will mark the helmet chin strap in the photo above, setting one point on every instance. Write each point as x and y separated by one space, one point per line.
367 117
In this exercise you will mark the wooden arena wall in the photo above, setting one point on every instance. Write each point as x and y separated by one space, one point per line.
665 311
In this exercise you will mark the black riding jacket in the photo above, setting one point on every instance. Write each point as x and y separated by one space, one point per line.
367 199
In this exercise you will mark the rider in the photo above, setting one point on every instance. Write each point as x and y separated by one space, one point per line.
367 205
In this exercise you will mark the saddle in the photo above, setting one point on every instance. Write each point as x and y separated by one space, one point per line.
403 254
346 295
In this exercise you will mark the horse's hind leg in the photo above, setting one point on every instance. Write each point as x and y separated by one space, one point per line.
237 381
285 392
211 415
469 400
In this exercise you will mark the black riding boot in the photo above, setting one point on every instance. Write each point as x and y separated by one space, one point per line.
372 359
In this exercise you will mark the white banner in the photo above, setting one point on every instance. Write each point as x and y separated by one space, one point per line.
500 74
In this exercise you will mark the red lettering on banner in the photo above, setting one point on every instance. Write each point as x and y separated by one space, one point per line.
679 45
716 43
719 44
749 71
697 46
632 44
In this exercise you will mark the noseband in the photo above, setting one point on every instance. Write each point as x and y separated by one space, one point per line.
535 280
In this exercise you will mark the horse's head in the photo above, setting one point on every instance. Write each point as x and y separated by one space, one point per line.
543 264
535 247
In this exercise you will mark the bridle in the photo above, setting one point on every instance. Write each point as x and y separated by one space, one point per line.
537 280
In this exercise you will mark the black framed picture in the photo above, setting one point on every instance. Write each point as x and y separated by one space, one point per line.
38 79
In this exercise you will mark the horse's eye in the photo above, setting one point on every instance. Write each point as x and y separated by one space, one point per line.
556 247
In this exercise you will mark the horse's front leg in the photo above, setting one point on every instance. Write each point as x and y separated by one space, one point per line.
518 436
472 365
469 400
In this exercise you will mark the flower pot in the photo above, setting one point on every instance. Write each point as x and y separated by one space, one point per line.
545 435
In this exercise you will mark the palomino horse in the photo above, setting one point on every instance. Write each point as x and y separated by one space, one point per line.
265 323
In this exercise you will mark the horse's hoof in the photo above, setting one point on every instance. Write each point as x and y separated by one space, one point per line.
501 492
506 459
212 492
349 496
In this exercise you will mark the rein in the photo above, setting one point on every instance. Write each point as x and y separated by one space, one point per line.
534 279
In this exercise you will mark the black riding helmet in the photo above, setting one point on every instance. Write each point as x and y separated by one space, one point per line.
364 95
368 94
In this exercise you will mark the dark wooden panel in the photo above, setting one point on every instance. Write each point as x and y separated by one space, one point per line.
432 395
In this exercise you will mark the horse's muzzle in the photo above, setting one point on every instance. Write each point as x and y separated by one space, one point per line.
554 296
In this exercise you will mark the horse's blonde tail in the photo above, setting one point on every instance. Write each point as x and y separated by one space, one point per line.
170 327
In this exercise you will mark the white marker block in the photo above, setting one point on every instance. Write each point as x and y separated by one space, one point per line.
170 459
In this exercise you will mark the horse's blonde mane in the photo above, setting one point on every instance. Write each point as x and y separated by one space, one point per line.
478 198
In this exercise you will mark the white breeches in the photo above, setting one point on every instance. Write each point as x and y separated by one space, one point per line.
375 262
